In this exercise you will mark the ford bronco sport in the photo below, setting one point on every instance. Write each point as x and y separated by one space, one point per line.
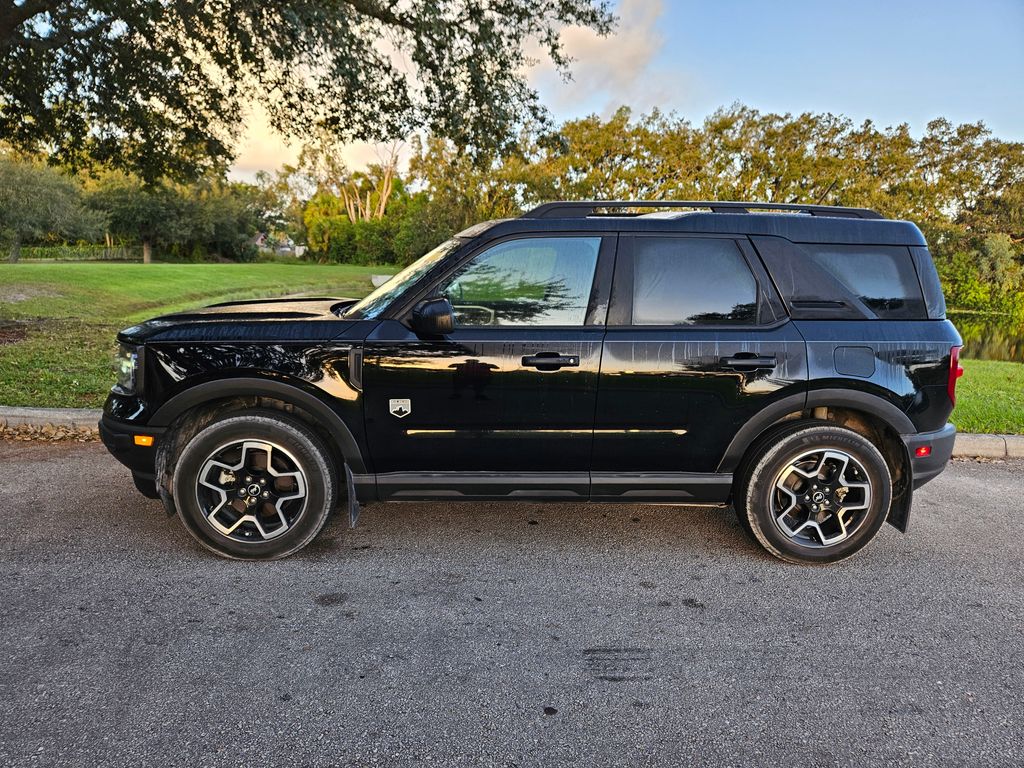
792 360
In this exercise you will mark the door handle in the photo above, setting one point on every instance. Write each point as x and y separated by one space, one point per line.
550 361
746 361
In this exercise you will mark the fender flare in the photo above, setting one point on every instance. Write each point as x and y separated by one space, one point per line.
253 386
845 398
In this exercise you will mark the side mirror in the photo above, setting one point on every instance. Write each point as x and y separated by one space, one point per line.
433 317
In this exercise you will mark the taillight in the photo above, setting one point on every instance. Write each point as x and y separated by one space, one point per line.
955 372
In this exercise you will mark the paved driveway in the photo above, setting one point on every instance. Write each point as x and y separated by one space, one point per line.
503 635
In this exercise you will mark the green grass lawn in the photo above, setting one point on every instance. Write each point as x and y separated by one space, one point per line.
59 354
990 397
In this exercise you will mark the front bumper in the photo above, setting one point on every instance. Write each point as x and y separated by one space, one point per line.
925 468
120 439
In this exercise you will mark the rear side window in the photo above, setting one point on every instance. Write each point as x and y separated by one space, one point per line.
883 277
691 281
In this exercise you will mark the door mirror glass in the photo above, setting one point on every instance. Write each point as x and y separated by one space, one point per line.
433 317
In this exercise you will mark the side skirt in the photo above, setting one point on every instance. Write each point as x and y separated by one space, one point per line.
674 487
678 487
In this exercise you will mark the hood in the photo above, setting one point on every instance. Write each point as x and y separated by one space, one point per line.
256 320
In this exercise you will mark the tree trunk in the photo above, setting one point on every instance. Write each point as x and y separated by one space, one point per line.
15 250
147 252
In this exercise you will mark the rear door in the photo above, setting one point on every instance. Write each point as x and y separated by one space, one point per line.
504 405
697 343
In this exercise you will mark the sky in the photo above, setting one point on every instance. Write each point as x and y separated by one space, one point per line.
890 61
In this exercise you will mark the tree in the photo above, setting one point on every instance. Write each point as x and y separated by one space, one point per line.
150 215
37 202
225 218
208 218
158 87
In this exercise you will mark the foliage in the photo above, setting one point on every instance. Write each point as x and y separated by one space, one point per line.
157 88
80 252
334 237
209 218
37 203
964 187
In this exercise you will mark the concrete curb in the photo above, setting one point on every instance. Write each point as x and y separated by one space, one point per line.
966 446
49 417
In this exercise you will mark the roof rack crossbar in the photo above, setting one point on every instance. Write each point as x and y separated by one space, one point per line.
585 208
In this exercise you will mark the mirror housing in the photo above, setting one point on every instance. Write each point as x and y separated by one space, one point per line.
433 317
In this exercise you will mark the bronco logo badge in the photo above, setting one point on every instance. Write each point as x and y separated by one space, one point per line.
400 408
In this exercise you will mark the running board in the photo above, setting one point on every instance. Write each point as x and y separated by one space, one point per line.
626 487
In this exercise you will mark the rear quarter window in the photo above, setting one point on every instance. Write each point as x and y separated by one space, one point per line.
844 282
883 277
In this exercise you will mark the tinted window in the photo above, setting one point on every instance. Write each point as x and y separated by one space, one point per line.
533 281
883 277
691 281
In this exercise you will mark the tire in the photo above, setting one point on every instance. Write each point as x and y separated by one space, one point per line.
257 485
815 493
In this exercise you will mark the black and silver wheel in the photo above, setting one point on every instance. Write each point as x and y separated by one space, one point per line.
817 493
258 485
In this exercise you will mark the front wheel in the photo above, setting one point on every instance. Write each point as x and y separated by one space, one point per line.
254 486
816 494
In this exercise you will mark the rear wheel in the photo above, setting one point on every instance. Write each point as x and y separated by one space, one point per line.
254 486
817 493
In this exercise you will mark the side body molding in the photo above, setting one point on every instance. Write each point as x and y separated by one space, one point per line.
250 386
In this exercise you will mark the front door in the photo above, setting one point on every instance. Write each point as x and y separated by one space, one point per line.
504 405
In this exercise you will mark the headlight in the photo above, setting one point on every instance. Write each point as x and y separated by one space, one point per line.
126 366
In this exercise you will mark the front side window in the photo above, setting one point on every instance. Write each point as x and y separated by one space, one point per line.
691 281
531 281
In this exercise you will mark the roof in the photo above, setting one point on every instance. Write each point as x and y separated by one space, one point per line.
799 224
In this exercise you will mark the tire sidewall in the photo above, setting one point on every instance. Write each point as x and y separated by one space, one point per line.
778 455
307 450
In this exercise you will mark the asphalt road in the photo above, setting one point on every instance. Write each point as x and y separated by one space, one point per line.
503 635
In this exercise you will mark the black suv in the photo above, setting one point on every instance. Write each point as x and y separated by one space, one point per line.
792 360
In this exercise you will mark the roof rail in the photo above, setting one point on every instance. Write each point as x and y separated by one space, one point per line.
585 208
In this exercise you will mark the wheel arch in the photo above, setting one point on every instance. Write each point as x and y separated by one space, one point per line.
273 393
869 415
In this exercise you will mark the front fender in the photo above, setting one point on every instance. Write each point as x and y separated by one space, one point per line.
290 392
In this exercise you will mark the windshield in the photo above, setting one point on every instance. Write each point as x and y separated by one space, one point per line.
371 306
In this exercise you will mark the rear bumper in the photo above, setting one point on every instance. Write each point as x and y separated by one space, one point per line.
119 438
926 468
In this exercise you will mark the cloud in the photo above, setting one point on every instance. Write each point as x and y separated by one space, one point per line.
608 72
262 149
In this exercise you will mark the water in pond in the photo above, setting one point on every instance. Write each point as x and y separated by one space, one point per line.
990 337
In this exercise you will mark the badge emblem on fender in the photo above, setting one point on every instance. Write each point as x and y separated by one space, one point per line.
400 408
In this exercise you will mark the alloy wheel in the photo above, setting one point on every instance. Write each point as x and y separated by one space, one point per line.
251 490
821 498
